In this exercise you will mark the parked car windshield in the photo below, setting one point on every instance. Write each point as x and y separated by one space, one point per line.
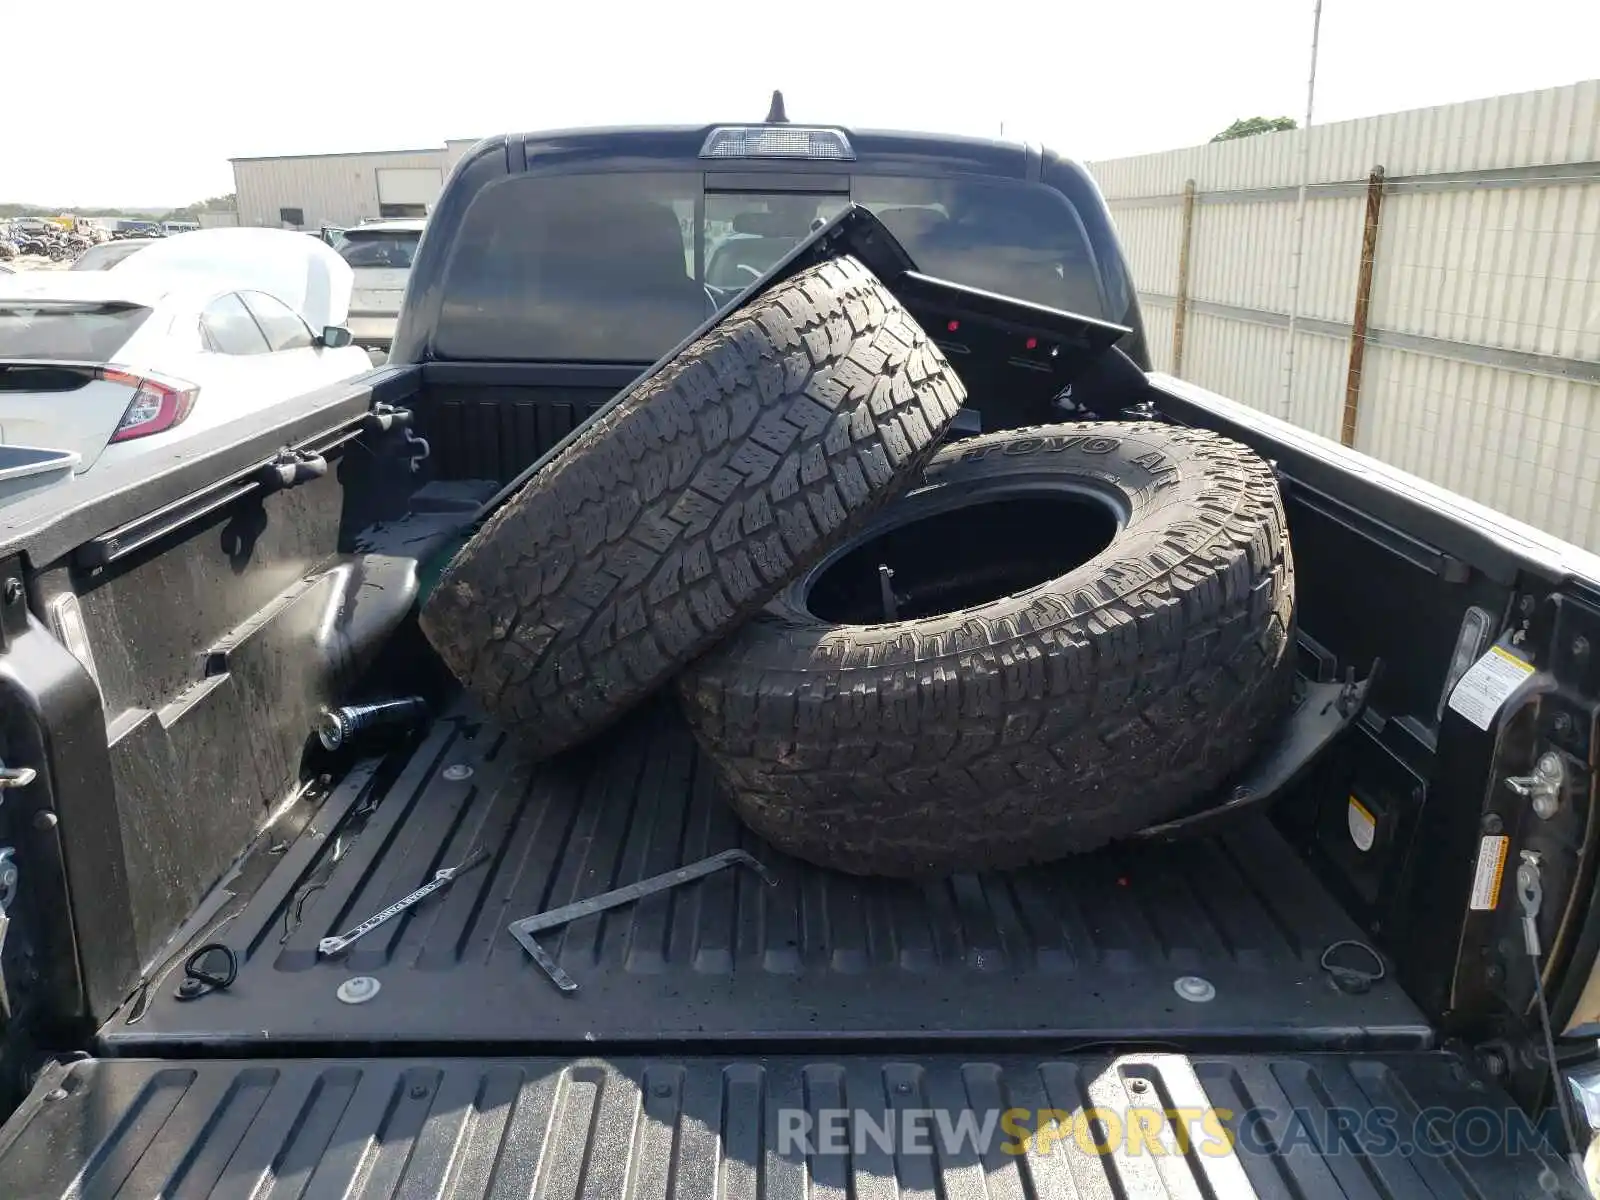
66 332
620 267
390 249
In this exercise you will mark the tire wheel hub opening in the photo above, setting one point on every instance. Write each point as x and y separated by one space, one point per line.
949 561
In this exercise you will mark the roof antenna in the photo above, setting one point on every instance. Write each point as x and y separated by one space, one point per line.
775 114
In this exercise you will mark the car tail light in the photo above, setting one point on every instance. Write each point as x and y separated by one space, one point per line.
158 403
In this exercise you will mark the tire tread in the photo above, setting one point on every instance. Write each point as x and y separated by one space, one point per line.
691 504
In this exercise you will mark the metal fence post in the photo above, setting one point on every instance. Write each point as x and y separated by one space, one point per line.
1358 324
1180 309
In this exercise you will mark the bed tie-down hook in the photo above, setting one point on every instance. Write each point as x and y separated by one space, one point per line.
421 454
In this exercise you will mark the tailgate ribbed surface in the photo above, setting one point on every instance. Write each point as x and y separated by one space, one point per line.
1078 950
697 1128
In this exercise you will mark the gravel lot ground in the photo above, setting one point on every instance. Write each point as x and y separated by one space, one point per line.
33 262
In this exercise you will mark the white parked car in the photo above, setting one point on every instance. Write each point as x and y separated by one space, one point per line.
183 337
380 253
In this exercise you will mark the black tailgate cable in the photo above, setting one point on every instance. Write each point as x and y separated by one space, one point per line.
1530 894
1352 980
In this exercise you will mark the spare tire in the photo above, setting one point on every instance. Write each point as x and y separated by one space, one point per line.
1088 627
690 504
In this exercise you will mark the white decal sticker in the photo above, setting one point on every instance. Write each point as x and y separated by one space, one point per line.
1487 683
1363 825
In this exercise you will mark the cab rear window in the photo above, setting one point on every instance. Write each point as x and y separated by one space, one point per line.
1019 239
620 267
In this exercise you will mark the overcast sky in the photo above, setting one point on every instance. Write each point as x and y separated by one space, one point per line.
147 112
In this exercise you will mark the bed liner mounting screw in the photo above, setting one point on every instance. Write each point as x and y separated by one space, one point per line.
45 821
1580 647
56 1094
1139 1085
13 590
1194 989
661 1089
456 772
418 1090
358 989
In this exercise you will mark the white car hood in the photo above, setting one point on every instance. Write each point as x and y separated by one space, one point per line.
298 269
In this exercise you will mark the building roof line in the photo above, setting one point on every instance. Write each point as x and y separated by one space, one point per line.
335 154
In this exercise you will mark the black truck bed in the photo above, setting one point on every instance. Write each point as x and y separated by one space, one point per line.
746 1128
1069 954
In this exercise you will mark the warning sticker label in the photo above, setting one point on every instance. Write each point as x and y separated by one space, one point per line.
1487 683
1490 870
1363 826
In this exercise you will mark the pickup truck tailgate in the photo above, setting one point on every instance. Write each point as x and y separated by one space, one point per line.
1303 1126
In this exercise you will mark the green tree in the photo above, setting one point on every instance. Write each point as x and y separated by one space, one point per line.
190 212
1250 126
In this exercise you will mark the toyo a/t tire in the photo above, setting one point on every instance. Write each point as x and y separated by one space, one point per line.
1088 627
682 511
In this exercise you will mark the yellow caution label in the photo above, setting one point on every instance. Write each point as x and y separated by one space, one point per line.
1490 871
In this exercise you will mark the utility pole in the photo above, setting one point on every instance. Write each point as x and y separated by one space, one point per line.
1298 253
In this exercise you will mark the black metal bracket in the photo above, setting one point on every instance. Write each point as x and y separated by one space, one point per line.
1322 712
290 466
385 417
13 600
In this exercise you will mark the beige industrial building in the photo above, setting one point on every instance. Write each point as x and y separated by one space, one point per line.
306 191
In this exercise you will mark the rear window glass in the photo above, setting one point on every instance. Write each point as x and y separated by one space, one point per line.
747 233
621 267
1018 239
387 250
576 267
60 332
104 257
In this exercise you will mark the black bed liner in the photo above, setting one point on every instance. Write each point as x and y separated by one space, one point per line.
694 1128
1077 952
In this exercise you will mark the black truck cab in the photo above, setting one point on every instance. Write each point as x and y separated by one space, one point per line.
1338 978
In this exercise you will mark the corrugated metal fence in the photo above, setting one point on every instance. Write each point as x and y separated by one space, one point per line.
1448 313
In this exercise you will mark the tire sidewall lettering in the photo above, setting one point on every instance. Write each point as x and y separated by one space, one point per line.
1053 444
